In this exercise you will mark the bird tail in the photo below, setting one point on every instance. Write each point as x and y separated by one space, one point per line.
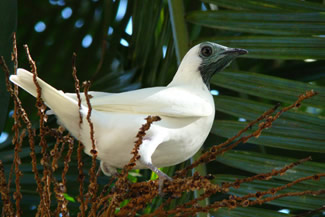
65 108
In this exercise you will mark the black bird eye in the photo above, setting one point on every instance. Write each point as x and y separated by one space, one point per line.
206 51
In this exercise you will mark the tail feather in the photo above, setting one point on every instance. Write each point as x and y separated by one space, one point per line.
65 108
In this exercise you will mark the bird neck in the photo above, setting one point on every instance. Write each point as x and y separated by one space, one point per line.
188 73
182 78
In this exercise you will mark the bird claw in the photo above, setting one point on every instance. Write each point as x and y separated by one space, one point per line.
162 178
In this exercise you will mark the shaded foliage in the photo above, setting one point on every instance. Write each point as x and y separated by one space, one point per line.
284 38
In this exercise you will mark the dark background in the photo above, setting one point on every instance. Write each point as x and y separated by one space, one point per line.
124 45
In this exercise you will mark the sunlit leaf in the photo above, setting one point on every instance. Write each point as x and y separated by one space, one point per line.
271 47
247 212
263 163
285 40
69 198
269 5
269 87
292 24
308 202
250 110
284 136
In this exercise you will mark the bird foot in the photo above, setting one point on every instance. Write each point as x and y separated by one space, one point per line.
162 177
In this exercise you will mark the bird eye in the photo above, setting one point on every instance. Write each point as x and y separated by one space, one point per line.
206 51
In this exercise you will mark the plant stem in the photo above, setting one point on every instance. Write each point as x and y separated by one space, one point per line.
181 40
180 34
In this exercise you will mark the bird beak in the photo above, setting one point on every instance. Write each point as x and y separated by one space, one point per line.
235 51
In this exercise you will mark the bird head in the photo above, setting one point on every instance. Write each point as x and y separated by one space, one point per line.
204 60
215 58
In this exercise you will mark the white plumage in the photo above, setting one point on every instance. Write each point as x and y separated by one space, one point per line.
185 106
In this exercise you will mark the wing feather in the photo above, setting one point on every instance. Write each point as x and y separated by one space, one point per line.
167 101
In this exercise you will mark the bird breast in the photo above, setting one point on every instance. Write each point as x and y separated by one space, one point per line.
115 136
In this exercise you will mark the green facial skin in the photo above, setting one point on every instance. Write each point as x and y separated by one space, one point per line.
219 58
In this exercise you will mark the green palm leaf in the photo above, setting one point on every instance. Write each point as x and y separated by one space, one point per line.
282 37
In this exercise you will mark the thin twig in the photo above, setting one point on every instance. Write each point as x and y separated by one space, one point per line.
15 128
121 184
76 85
5 196
46 197
215 150
311 212
81 176
265 176
23 115
93 186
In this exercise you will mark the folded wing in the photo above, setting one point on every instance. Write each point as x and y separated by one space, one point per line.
167 101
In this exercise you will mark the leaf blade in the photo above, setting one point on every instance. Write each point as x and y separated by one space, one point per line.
292 24
268 5
264 163
269 87
307 202
283 136
275 47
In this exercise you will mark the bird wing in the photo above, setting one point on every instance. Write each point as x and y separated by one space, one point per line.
167 101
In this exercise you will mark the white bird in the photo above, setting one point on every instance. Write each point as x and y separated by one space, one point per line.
185 106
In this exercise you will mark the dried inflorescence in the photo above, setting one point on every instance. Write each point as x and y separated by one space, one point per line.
5 195
122 186
19 112
93 186
81 176
49 157
46 192
139 195
225 146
